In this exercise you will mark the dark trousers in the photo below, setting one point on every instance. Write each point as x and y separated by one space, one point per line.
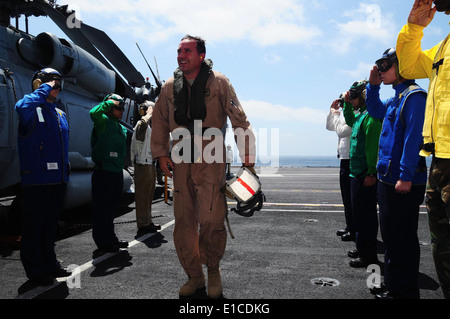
106 195
42 206
399 218
344 181
364 208
438 206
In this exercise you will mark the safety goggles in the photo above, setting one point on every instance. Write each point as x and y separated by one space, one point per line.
120 107
384 65
57 86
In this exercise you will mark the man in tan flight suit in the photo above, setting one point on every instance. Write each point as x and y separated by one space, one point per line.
192 104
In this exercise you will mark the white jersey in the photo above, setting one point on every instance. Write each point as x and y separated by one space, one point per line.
141 152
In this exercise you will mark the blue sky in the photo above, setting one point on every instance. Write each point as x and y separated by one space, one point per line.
287 59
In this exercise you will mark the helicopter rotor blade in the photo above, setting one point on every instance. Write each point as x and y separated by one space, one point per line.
112 52
158 82
157 70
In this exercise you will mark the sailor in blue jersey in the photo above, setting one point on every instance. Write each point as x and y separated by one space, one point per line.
43 144
402 174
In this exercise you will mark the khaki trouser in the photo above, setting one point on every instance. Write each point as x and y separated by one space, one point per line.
438 206
144 183
199 207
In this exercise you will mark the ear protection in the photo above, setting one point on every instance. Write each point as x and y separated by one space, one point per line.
36 84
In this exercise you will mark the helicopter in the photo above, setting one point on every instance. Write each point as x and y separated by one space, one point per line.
92 66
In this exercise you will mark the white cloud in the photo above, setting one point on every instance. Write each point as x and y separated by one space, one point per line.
265 22
366 24
272 58
260 110
362 71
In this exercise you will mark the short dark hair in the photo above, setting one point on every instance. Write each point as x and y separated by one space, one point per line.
201 47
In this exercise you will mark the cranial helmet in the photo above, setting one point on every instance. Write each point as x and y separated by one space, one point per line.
44 76
245 188
386 61
115 97
358 90
144 106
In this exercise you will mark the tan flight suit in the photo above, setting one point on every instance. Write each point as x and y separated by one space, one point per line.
199 205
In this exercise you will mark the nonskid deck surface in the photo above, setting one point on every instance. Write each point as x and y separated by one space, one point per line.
289 250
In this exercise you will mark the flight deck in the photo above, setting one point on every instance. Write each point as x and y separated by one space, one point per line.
287 251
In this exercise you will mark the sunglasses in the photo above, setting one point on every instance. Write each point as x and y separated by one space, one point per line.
384 65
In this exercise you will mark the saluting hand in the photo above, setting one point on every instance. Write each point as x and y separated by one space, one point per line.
335 105
347 97
334 108
51 83
375 78
116 103
422 12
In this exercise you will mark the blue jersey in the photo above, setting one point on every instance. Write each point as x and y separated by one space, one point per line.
43 140
401 134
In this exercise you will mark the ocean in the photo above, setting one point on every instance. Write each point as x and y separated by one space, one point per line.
299 161
304 161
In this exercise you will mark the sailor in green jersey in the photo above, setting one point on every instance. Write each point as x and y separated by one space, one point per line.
109 149
363 160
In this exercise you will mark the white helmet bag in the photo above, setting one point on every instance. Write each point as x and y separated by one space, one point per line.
245 187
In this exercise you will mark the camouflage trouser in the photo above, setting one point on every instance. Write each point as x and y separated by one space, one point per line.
438 206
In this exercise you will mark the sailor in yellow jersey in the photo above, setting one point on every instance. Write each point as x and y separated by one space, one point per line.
435 65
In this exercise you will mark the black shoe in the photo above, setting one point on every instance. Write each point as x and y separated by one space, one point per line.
109 249
385 295
378 290
61 272
342 232
362 263
43 280
353 253
122 244
152 228
141 232
348 237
